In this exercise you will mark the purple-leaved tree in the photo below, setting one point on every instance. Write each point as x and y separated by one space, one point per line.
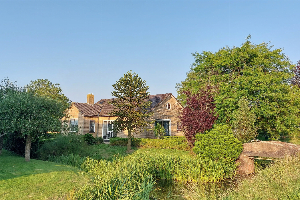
198 114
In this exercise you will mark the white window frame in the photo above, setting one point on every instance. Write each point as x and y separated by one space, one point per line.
107 127
73 125
168 105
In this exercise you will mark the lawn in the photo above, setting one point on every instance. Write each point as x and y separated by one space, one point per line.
36 179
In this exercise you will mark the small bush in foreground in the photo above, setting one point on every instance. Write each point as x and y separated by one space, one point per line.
218 143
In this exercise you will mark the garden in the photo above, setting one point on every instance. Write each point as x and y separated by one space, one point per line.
231 97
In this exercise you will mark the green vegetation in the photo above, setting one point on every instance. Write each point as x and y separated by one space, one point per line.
36 179
138 172
74 149
243 122
167 142
27 113
217 144
257 73
279 181
131 103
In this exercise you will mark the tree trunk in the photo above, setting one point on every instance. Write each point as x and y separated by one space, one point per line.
129 141
27 148
1 143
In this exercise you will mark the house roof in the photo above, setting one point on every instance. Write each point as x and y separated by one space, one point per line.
104 106
88 109
157 99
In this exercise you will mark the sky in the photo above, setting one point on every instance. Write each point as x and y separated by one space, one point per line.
86 46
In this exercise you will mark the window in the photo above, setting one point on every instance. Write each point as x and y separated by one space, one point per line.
73 125
166 124
92 126
107 130
168 106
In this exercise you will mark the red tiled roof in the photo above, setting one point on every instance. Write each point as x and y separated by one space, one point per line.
88 109
104 107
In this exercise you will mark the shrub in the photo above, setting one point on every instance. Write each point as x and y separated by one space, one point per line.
218 143
91 140
136 173
167 142
117 141
64 145
13 142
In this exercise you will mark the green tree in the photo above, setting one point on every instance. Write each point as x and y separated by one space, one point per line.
6 87
256 72
44 87
131 104
243 123
30 115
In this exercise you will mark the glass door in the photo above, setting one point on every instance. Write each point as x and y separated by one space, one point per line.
107 130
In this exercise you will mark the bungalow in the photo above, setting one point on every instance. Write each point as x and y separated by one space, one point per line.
95 118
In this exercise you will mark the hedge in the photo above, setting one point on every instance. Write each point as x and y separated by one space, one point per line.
167 142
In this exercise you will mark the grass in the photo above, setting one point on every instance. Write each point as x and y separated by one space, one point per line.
105 151
279 181
36 179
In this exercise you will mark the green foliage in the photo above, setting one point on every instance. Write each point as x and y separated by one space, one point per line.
117 141
243 122
131 103
36 179
159 131
280 180
168 142
45 88
16 144
64 145
29 114
71 159
219 143
145 166
91 140
256 72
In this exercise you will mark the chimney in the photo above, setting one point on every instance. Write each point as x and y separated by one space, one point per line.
90 99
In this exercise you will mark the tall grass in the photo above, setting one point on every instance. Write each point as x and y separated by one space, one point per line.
279 181
137 173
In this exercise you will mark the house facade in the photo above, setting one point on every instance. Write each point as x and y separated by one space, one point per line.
95 118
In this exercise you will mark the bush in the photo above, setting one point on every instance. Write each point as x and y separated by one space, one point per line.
117 141
64 145
218 143
167 142
13 142
136 173
91 140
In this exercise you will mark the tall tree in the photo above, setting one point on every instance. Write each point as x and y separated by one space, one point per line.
45 88
198 115
256 72
30 115
131 104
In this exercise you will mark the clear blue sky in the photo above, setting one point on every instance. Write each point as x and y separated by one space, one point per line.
86 46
